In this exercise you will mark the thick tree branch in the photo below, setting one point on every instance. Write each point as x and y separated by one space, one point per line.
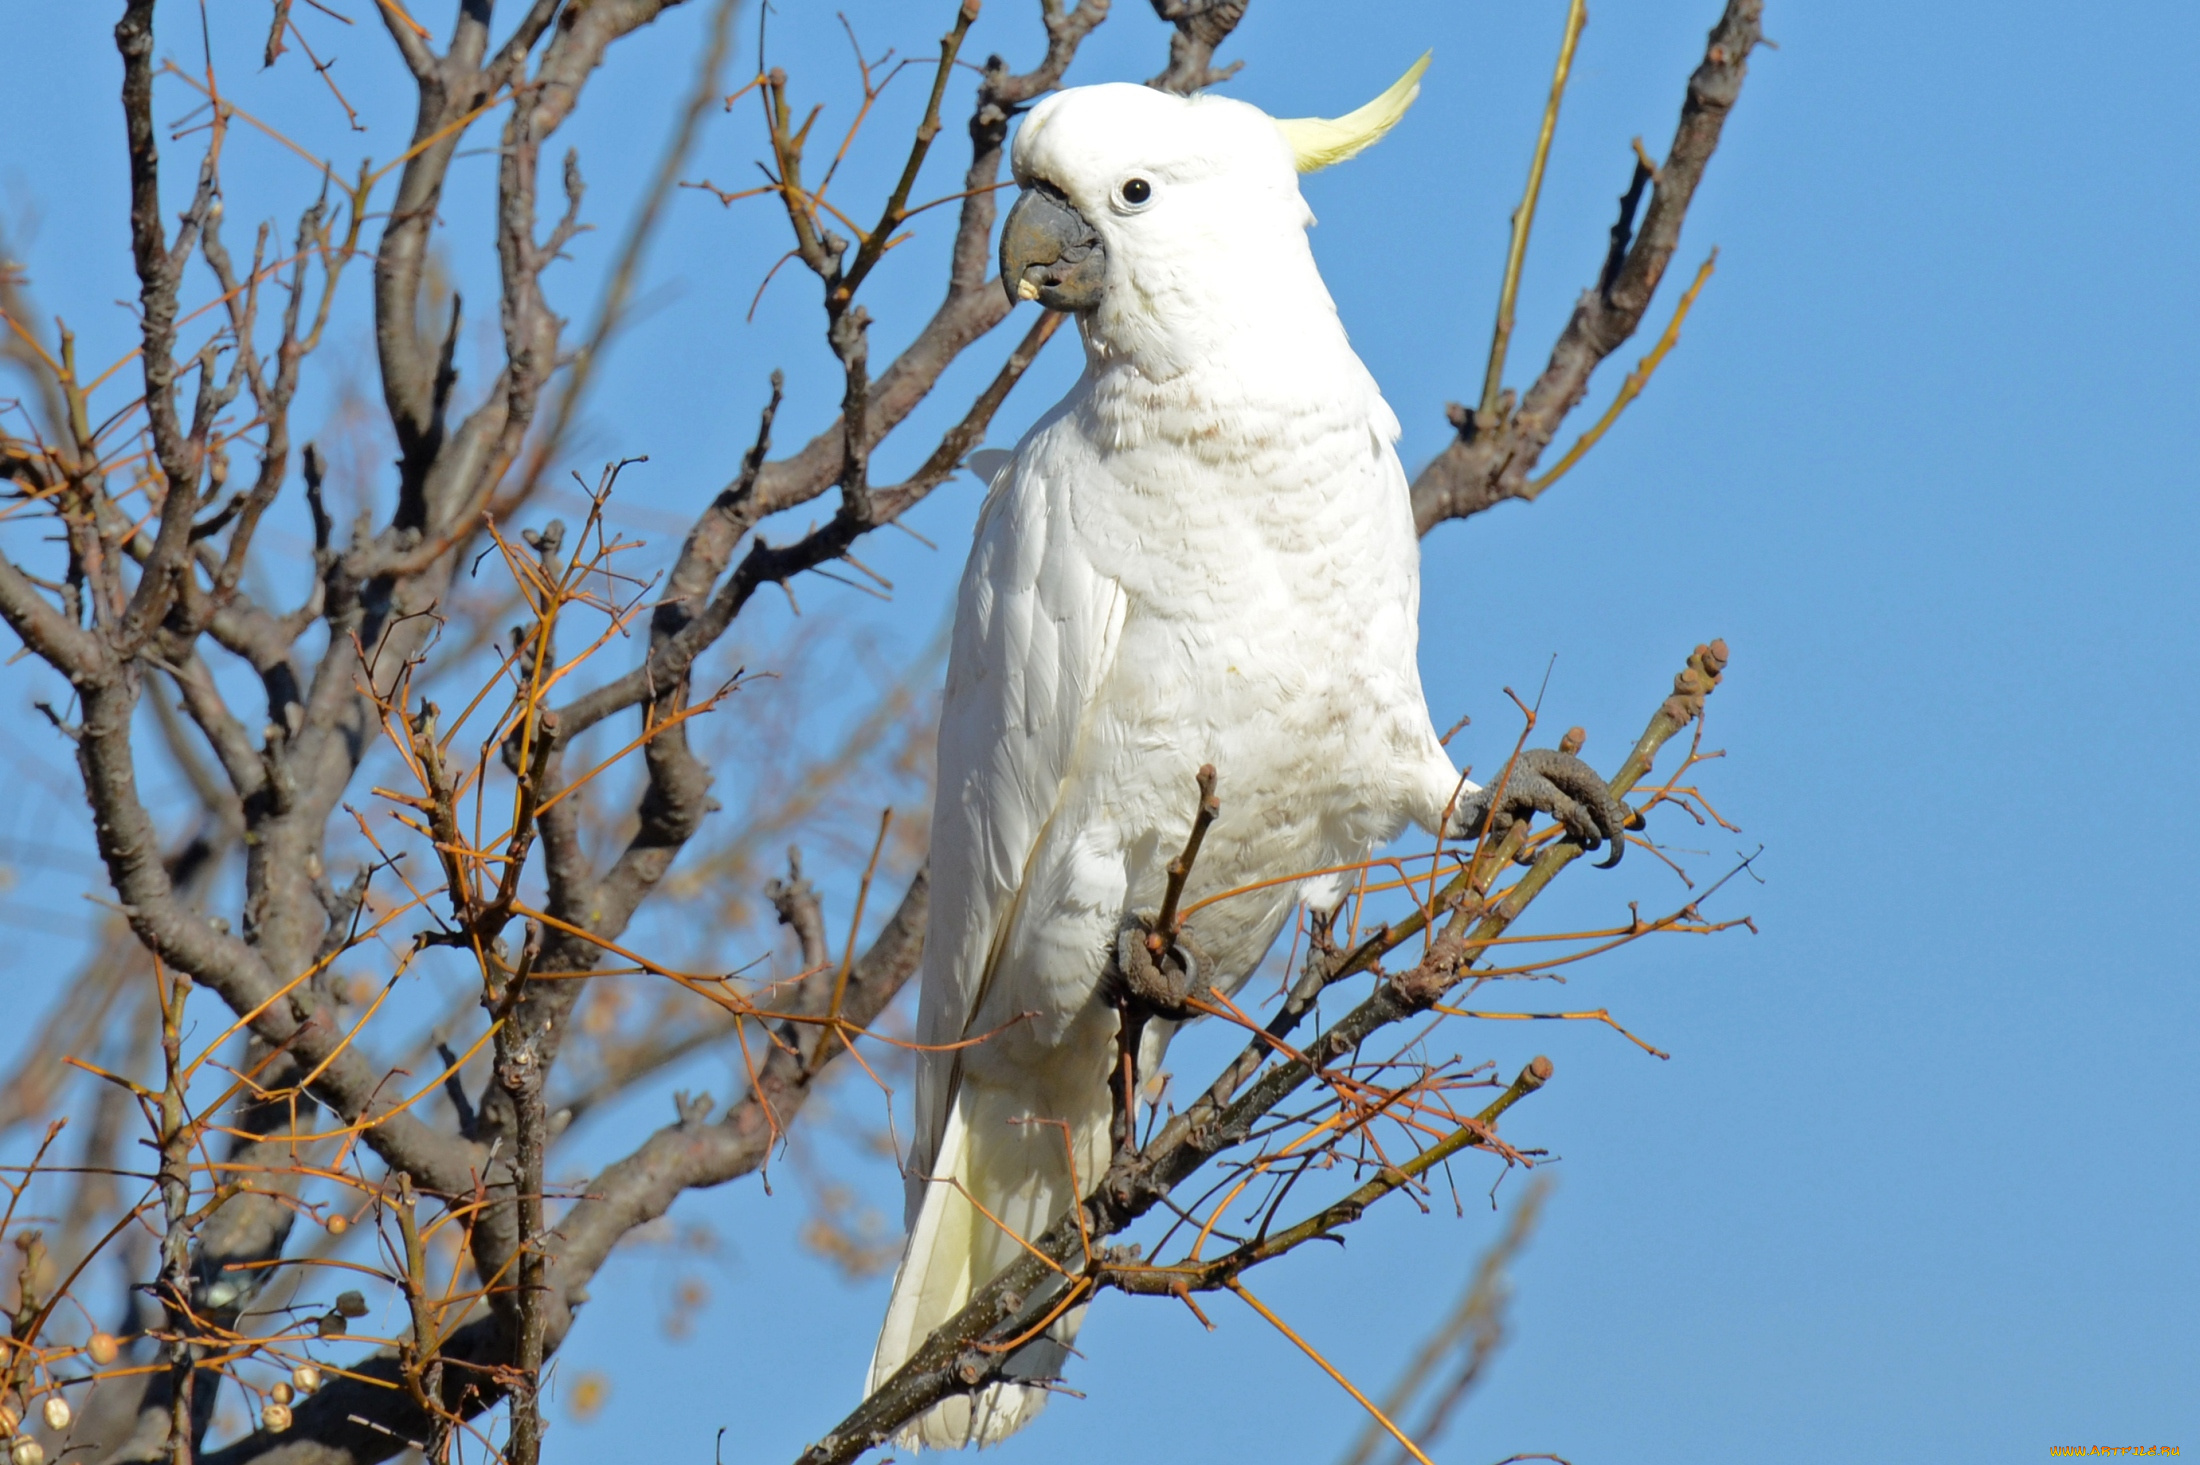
453 89
42 627
178 451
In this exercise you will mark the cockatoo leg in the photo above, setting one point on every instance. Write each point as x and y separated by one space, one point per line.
1142 986
1544 780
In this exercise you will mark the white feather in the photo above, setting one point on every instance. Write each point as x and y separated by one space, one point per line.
1204 554
987 463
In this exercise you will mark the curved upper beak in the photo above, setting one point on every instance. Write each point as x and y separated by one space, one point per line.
1050 254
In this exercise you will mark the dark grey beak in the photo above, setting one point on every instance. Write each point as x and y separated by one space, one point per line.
1050 254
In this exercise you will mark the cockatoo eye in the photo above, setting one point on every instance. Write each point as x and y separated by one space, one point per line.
1136 191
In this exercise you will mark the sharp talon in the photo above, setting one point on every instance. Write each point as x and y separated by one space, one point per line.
1548 781
1162 988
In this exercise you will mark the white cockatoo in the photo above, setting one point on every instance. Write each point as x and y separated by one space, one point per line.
1204 554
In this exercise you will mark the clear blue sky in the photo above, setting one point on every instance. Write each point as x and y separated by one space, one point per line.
1920 1180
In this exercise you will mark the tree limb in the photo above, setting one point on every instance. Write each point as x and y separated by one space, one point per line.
689 1154
1494 454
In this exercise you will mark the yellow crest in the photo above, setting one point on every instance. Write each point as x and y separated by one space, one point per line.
1316 142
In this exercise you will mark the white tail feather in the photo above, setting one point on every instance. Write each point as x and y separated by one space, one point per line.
1017 1167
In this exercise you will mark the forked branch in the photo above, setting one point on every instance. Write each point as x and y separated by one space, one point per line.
1497 448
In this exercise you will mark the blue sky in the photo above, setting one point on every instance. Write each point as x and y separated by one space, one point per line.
1920 1177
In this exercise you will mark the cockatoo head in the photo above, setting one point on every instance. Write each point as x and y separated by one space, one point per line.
1139 205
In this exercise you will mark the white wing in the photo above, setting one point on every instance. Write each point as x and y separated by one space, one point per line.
1035 633
987 463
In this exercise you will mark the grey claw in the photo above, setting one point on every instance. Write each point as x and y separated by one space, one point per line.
1558 784
1163 988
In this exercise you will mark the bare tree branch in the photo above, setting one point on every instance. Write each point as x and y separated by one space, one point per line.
973 1349
154 545
1495 452
1201 26
673 655
688 1154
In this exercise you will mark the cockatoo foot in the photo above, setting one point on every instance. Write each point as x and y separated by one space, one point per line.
1154 987
1544 780
1142 987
